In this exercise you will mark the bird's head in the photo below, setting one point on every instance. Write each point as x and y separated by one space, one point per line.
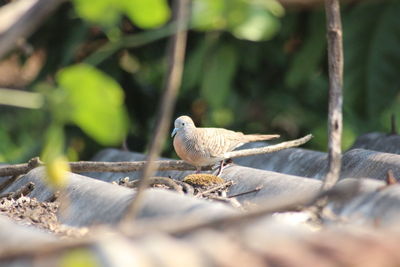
181 123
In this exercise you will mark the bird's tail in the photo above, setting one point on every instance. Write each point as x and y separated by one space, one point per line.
260 137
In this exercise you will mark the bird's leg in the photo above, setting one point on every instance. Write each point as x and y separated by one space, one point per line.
222 165
198 170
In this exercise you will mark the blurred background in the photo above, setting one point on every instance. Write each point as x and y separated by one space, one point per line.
95 70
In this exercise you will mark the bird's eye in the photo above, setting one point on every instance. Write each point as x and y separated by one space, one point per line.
183 124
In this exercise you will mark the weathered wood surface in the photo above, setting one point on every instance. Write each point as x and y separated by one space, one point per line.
245 179
361 163
294 161
252 245
272 184
376 204
357 163
389 143
13 234
92 201
301 162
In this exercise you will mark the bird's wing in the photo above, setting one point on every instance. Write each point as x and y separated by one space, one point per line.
217 141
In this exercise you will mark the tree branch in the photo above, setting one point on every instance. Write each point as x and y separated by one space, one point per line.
176 59
335 59
268 149
99 166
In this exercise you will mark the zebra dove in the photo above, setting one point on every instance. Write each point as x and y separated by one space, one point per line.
207 146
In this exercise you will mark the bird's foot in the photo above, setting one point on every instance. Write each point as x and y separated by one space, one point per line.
223 165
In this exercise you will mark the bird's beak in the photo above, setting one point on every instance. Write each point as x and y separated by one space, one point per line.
174 132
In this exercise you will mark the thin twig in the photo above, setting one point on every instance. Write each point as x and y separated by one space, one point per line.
268 149
169 182
176 58
99 166
232 201
335 60
215 188
258 188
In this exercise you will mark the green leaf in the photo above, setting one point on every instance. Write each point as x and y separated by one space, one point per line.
218 75
249 20
144 13
147 13
307 61
208 14
258 24
96 102
54 143
103 12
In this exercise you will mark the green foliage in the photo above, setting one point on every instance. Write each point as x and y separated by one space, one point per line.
147 13
96 103
249 20
144 13
54 146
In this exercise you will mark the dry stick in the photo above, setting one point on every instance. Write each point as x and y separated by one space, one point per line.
18 169
258 188
215 188
157 180
99 166
268 149
176 58
335 59
128 166
23 191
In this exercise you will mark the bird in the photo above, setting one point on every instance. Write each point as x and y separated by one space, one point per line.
207 146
